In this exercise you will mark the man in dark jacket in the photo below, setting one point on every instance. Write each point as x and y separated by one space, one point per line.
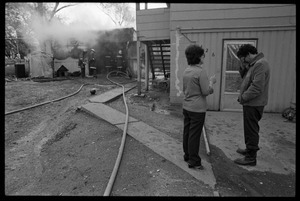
253 96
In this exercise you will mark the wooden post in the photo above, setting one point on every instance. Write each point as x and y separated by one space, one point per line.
138 44
146 69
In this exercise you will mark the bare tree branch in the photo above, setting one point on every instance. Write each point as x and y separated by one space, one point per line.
119 13
109 15
54 11
65 7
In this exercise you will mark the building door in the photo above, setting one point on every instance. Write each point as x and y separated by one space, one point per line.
231 79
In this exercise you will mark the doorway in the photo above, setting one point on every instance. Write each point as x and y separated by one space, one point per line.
231 79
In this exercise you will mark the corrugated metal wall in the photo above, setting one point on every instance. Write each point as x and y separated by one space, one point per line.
279 48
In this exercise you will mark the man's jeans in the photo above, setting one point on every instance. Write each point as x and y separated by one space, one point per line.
252 115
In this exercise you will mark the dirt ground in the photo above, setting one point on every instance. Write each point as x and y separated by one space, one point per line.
57 149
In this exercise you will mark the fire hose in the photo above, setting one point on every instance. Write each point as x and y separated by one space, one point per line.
58 99
47 102
118 160
206 141
115 170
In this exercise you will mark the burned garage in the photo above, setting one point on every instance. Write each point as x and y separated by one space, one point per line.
110 51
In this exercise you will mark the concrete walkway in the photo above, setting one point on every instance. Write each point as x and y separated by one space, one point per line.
110 95
224 130
160 143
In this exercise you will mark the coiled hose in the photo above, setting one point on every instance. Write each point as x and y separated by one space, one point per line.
118 160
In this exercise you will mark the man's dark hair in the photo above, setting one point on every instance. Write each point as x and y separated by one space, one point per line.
193 53
245 49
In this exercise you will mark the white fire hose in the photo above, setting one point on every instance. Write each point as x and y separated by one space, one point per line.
205 140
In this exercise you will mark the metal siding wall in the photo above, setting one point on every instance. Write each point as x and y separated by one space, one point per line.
219 16
209 46
179 7
153 24
278 48
282 63
275 73
286 70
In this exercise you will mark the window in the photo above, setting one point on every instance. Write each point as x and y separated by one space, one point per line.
145 6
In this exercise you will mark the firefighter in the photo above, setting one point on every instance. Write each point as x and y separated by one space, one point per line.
92 64
119 60
82 63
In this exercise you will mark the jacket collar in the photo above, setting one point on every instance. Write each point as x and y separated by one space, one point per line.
256 58
197 65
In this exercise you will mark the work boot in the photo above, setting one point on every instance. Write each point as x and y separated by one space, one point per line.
249 159
246 161
242 151
196 166
185 157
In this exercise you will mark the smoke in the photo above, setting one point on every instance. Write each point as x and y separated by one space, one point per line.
83 26
60 32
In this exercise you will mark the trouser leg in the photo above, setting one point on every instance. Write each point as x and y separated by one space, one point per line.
252 116
186 128
95 72
195 129
82 72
